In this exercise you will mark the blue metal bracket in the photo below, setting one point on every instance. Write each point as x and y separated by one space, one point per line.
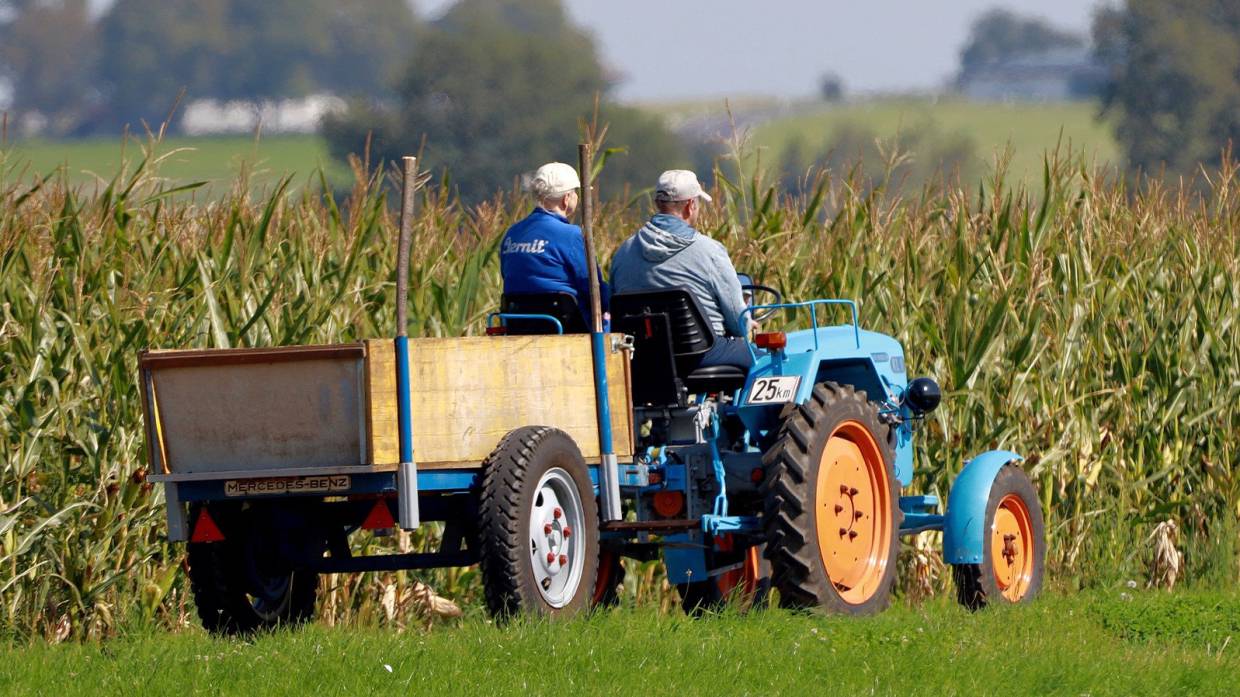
505 316
719 525
813 313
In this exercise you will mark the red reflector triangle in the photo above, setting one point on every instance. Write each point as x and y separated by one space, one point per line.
205 530
379 518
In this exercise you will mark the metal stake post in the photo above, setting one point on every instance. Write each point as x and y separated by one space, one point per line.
609 472
407 471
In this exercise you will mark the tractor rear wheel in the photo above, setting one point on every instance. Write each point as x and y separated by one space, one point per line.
1014 547
538 526
831 513
241 585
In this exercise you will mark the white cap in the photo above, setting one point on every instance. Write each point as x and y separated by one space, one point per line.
554 179
679 185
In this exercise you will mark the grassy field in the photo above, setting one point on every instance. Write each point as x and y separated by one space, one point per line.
218 161
1094 644
1029 129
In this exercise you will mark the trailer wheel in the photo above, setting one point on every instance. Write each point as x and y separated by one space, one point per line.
1014 550
241 587
538 527
831 513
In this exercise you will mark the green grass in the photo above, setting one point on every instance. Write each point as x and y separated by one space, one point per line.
1030 129
216 160
1068 645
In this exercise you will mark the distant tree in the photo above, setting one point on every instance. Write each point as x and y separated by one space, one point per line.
1000 35
247 49
1174 86
47 53
831 88
498 87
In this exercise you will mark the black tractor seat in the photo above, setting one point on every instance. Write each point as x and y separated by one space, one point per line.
562 306
670 335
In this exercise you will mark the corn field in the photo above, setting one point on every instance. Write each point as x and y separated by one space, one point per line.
1088 323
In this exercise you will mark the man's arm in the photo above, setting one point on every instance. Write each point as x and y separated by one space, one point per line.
728 294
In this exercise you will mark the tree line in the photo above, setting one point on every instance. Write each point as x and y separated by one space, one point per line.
495 85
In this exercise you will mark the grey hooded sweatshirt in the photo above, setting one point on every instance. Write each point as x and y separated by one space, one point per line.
667 253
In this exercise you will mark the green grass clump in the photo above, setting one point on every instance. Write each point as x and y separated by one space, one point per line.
1054 647
1087 324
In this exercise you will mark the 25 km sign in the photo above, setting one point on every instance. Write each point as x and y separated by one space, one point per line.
776 390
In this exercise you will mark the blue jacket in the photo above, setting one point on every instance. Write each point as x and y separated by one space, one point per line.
545 253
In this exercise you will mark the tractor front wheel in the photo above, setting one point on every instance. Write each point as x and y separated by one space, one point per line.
1014 547
538 527
831 513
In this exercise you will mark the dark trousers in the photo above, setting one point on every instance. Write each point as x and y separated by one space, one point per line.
728 350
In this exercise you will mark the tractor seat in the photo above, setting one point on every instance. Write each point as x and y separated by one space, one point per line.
562 306
715 379
670 335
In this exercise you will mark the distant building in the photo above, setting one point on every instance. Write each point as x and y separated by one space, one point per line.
1050 76
209 117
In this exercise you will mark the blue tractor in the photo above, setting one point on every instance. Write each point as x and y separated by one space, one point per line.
791 476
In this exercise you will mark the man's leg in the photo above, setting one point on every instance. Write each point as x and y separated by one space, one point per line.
728 350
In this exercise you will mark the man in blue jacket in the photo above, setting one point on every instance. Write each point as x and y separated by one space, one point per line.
545 253
667 252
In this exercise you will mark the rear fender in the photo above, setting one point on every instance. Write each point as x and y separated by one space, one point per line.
963 533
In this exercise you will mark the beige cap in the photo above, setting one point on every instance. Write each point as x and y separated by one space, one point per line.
554 179
679 185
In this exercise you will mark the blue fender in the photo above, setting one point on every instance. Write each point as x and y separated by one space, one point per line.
963 533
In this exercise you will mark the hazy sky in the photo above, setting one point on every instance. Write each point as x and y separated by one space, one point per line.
668 50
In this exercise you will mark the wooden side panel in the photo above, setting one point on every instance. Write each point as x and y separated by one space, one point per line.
383 444
242 416
468 392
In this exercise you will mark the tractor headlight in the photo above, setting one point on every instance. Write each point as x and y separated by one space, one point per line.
923 396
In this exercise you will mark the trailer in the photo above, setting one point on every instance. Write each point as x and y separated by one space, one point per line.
549 457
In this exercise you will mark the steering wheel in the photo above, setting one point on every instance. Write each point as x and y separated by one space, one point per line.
776 298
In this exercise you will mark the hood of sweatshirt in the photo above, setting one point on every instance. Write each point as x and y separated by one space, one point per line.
663 237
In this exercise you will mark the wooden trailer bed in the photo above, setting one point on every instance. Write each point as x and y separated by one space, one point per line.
323 410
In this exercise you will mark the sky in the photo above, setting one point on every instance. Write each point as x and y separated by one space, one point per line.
668 50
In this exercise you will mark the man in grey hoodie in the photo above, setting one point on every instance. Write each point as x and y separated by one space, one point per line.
667 252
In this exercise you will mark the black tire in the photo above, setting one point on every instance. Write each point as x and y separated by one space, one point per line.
789 491
510 475
976 584
240 588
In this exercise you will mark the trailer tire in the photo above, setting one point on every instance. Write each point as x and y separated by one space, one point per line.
233 599
1012 509
535 484
837 553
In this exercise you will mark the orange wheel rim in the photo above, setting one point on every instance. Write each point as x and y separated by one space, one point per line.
853 512
1011 547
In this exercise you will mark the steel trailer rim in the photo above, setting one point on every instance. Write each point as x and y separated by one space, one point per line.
853 512
557 545
1011 547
